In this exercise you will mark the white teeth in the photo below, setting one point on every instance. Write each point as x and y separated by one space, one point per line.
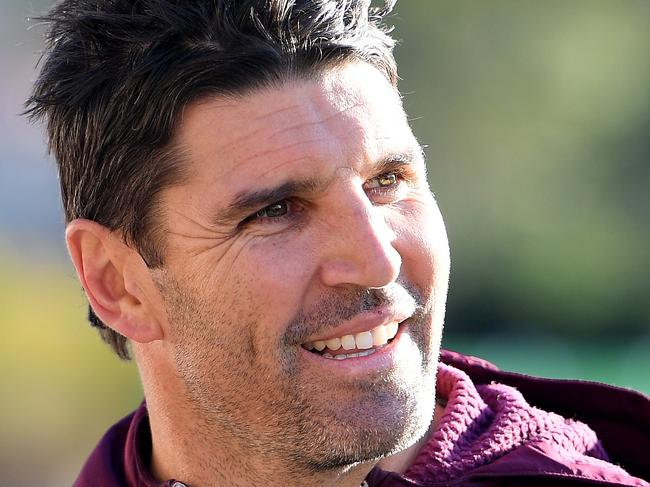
364 353
333 343
391 329
344 356
347 342
379 336
363 340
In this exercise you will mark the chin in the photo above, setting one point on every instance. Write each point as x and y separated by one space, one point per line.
379 426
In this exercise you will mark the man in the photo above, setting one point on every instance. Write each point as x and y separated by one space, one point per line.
248 212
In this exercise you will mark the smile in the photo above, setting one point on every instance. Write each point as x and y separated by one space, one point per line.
354 345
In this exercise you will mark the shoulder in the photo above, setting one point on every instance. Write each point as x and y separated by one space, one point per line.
502 429
619 417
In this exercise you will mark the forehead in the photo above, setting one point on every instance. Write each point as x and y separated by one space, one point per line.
342 118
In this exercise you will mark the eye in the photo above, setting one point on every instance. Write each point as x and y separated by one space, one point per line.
387 180
274 210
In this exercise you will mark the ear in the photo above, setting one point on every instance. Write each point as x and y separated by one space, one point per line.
116 279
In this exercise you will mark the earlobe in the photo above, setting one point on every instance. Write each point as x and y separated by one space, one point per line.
109 274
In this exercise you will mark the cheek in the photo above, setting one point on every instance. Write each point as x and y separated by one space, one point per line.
422 243
275 277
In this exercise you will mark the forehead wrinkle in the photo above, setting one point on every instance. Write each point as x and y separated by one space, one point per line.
325 133
296 127
285 163
319 99
237 141
268 154
257 132
323 121
278 111
206 126
318 103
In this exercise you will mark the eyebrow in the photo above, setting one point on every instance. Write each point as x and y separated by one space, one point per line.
246 202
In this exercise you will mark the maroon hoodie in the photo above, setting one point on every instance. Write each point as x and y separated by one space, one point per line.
498 429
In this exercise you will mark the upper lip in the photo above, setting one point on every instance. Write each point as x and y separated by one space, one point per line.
365 321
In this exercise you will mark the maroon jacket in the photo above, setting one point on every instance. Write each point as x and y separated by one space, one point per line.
512 432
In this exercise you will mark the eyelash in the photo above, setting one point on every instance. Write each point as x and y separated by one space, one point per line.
293 204
256 217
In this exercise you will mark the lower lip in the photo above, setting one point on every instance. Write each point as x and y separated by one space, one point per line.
382 358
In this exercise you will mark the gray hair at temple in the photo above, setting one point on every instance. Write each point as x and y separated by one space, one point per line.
116 74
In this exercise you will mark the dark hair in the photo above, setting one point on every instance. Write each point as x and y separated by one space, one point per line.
116 74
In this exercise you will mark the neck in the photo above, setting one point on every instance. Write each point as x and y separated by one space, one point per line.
187 449
400 462
202 460
187 454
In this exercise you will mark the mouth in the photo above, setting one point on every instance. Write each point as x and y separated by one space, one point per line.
354 345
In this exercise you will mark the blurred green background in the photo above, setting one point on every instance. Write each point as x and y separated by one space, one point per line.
537 120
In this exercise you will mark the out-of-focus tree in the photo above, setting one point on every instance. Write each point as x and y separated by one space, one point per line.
537 121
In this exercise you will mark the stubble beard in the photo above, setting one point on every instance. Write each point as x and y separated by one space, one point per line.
269 408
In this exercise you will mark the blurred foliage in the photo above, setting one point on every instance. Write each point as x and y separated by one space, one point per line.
536 116
63 387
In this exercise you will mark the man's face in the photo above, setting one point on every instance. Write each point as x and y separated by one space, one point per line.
306 218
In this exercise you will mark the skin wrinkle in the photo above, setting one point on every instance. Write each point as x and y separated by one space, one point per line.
241 247
246 203
230 234
315 123
290 161
334 310
210 244
239 164
276 114
207 242
316 187
232 254
238 311
274 135
252 159
205 227
258 157
270 152
317 100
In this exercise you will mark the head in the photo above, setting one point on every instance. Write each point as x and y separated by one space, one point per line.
241 185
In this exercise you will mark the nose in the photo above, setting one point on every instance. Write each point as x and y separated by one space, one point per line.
360 244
